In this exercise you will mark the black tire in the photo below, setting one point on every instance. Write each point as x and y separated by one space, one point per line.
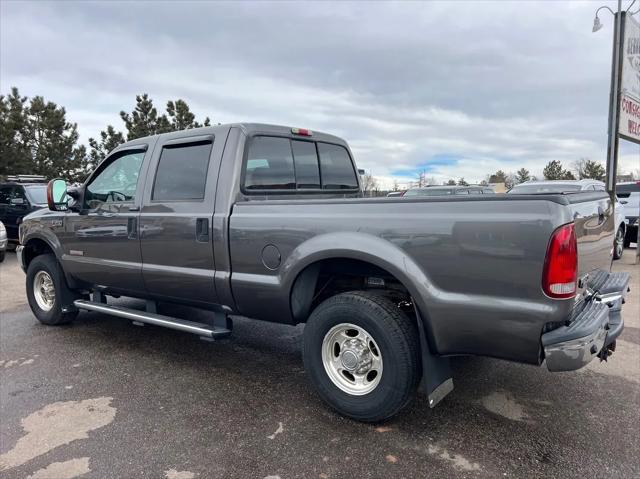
63 295
618 243
396 336
627 239
2 253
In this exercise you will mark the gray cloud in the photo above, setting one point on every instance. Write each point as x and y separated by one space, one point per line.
493 84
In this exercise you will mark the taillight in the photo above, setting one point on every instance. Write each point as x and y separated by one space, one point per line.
301 131
561 264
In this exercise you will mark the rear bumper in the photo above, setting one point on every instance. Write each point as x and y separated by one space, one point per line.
590 332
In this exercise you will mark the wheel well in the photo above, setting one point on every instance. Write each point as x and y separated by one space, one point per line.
35 247
326 278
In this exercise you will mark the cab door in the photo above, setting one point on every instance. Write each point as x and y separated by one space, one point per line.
101 241
176 219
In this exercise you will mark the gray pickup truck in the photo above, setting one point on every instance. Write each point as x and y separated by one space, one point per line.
268 222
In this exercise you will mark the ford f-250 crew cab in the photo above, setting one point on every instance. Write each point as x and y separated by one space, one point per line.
268 222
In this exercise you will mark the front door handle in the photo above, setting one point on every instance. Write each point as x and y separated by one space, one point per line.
202 230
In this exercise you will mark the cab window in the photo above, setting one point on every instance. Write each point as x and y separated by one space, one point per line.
336 168
116 183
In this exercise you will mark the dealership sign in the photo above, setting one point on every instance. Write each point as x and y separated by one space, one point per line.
629 125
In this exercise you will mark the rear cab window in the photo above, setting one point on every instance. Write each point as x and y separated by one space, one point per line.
182 172
291 165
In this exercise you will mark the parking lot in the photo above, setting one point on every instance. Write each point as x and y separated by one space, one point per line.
103 398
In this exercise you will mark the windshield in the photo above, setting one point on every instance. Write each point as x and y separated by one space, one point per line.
543 188
37 194
429 192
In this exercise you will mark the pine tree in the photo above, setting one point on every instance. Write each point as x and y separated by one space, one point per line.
181 117
15 156
36 138
109 139
593 170
144 119
498 177
555 171
522 175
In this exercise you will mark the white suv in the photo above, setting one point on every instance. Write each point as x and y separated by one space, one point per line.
628 194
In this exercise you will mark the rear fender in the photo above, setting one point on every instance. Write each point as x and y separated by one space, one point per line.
367 248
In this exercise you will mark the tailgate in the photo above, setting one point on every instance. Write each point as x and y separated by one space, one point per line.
594 226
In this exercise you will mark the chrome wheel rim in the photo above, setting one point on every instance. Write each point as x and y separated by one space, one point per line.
352 359
44 291
619 243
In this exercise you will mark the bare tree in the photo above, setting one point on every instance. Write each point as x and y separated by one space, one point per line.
369 184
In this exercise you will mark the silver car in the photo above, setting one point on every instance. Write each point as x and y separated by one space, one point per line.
3 241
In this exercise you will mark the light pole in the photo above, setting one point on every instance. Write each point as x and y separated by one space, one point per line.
614 100
614 95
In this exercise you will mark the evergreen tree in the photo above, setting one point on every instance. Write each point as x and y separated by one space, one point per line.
451 183
109 139
555 171
181 117
498 177
15 156
593 170
36 138
522 175
461 182
144 119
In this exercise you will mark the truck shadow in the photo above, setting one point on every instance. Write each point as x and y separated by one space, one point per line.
543 419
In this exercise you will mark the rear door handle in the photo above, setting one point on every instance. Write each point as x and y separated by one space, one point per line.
132 228
202 230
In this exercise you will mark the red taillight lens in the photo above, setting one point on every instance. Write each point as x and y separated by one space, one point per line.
301 131
561 264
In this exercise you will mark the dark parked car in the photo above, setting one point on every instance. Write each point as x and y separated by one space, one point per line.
268 222
19 196
449 191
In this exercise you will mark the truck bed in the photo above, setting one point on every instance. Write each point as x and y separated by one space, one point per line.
473 265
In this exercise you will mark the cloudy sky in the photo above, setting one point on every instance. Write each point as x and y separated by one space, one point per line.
459 89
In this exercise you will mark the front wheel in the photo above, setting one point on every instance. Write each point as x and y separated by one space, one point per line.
362 355
618 244
46 290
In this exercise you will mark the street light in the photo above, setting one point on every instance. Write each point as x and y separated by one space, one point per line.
596 21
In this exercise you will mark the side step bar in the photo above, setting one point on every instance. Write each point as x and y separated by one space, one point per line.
200 329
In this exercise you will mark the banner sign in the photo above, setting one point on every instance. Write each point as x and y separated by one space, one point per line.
629 125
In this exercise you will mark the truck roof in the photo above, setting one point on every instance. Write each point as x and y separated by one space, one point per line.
249 129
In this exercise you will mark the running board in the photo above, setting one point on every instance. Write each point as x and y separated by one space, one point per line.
201 329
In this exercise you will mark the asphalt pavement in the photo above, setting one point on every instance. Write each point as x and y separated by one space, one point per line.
102 398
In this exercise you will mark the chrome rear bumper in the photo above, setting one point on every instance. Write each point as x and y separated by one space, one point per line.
590 332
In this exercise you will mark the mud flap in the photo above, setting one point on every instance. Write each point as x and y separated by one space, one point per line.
436 380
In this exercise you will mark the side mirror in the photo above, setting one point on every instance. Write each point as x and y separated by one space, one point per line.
57 197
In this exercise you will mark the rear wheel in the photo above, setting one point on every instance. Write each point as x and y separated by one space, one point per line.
362 355
2 253
47 290
618 243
